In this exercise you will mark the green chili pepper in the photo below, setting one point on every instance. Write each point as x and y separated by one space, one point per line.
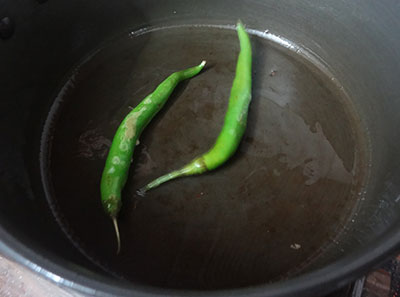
119 157
234 124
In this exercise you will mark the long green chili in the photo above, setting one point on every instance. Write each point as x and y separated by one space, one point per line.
234 124
119 157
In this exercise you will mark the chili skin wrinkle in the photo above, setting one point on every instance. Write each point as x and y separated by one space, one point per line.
234 124
119 157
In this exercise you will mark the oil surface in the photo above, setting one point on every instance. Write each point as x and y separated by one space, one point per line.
270 211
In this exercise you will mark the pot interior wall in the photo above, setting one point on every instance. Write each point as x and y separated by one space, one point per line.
340 85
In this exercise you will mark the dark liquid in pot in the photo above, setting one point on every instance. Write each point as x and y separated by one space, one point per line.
274 208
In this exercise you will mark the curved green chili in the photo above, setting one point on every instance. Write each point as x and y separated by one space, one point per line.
119 157
234 124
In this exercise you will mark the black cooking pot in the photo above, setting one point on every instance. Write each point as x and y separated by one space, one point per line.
309 202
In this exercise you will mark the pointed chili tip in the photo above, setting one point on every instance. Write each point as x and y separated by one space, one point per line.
141 192
202 63
114 219
239 23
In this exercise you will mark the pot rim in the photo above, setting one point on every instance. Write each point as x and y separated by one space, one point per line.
320 281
